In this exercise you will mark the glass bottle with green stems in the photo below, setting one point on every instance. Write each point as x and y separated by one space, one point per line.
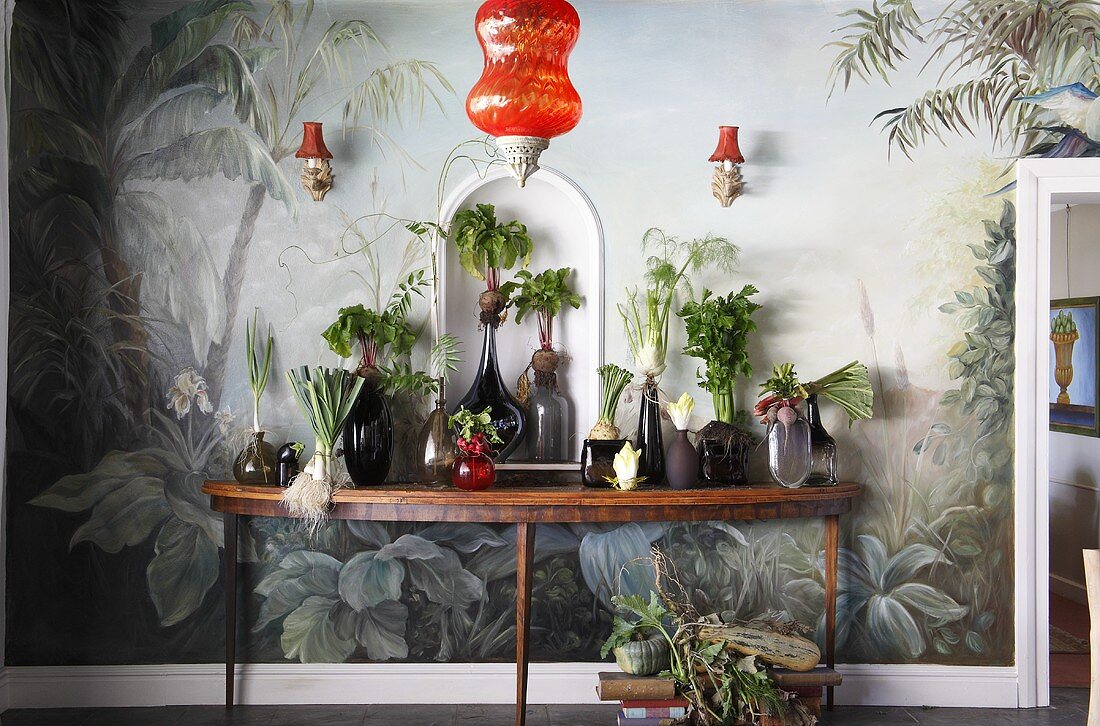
256 463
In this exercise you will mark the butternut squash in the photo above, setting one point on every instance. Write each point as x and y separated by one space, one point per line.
774 648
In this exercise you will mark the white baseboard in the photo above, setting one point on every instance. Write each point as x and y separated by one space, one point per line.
422 683
1067 588
928 685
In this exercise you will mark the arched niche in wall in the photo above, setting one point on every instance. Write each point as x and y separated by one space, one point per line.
566 231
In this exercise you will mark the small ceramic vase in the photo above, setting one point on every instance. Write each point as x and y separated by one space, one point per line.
597 459
682 463
288 461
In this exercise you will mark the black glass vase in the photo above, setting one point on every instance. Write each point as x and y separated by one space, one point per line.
488 390
368 438
652 463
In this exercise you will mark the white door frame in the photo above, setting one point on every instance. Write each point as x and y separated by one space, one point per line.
1040 184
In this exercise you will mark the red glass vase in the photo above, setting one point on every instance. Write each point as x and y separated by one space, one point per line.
524 89
473 472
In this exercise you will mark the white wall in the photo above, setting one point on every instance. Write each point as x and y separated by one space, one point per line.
1074 460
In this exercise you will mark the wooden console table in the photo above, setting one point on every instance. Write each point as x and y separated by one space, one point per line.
526 506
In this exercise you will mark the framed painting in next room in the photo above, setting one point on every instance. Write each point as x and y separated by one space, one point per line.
1074 365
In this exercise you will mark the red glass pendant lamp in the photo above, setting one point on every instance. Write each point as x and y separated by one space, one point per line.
726 183
524 97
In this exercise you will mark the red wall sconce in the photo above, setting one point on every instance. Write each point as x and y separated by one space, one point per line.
524 97
317 174
726 183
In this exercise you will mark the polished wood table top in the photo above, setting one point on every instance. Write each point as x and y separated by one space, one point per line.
549 502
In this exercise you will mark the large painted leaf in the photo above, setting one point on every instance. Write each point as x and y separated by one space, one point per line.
184 567
177 267
435 570
497 562
300 575
940 607
226 71
373 533
178 38
467 538
309 633
125 517
366 581
170 120
41 131
77 492
184 493
230 152
617 563
891 627
381 630
907 563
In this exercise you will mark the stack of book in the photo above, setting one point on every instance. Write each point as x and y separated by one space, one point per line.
662 712
644 701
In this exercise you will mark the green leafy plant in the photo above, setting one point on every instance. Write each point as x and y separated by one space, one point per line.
613 381
717 332
258 367
649 617
849 387
468 424
383 335
543 294
670 260
744 690
486 246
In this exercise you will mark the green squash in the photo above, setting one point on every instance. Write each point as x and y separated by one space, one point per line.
644 657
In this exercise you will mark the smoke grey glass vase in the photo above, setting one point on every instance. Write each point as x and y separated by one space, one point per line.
547 419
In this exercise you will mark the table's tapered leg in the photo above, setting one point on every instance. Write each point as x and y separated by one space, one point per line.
525 551
832 545
230 584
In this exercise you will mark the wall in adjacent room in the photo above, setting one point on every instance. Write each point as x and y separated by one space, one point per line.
1074 459
155 204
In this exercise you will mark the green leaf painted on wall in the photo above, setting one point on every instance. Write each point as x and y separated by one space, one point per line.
309 633
366 581
299 576
183 568
125 517
381 630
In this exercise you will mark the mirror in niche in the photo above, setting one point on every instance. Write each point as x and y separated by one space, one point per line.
566 233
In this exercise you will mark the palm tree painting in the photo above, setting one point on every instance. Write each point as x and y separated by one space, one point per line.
124 317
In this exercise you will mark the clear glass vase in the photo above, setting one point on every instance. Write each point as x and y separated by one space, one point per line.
789 452
547 419
436 444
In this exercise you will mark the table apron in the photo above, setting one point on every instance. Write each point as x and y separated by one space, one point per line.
400 512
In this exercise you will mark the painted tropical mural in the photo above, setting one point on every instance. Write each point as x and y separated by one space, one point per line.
154 207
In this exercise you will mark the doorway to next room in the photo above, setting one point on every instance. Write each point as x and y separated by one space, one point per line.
1075 433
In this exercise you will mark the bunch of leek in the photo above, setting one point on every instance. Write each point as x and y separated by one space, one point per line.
325 396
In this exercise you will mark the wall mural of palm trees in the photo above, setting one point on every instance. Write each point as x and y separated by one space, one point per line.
126 306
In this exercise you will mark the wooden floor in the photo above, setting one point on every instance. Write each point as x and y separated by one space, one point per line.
1069 707
1069 670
